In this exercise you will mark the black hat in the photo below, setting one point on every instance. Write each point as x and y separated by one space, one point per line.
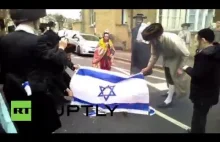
140 16
185 25
51 24
23 15
43 26
152 31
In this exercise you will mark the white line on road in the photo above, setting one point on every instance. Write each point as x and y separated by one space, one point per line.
160 114
155 77
77 57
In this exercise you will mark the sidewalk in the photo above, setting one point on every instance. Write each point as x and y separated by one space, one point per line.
126 56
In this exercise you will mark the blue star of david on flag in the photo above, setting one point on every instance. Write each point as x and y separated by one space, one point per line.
107 88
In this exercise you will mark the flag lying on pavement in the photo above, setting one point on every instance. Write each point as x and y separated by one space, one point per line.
94 86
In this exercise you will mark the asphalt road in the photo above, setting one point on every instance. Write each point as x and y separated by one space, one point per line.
171 120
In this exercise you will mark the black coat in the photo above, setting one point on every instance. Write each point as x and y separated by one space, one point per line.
54 39
61 81
25 56
140 53
205 76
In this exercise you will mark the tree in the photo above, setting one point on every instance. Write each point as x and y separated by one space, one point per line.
60 19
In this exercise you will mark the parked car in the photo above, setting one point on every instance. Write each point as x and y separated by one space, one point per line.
87 44
70 35
80 43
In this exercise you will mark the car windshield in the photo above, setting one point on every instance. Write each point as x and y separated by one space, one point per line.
90 37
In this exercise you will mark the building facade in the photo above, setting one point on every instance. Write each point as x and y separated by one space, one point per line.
5 19
172 19
118 21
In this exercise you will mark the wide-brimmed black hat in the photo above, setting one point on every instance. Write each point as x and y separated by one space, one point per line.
140 16
185 25
51 24
23 15
43 26
153 31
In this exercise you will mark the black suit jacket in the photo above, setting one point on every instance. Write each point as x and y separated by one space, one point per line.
25 57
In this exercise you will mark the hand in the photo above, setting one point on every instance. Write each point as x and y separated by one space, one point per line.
69 92
63 43
77 66
144 70
179 71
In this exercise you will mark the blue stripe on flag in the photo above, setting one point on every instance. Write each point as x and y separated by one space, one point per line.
137 106
105 76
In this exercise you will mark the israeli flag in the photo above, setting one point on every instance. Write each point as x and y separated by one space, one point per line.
5 119
94 86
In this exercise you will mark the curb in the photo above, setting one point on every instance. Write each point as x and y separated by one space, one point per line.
128 61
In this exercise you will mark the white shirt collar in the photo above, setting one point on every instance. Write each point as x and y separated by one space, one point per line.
26 28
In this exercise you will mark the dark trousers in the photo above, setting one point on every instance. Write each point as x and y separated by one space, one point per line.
199 118
168 76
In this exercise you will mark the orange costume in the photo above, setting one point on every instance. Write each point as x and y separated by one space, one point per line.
103 54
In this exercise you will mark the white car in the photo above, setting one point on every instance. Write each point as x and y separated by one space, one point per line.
69 34
87 44
83 44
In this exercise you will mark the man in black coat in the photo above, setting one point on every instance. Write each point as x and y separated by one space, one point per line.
140 53
28 57
60 82
205 79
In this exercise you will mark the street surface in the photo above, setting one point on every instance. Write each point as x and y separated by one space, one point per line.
171 120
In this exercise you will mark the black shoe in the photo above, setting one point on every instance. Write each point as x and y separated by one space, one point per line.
164 105
188 131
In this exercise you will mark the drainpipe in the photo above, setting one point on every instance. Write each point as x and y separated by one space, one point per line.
186 16
131 13
83 21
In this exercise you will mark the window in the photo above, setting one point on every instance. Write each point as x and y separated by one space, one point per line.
124 16
170 19
209 18
90 37
174 16
92 16
199 18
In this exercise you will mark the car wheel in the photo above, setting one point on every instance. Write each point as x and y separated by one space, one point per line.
78 50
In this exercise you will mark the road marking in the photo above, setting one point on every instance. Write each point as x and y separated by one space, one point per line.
160 78
77 57
158 86
160 114
161 71
170 119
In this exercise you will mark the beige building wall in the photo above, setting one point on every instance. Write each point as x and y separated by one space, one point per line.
111 19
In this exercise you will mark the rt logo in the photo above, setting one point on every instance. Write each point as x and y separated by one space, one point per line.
21 110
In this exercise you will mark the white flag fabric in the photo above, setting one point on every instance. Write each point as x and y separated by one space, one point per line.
5 119
94 86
